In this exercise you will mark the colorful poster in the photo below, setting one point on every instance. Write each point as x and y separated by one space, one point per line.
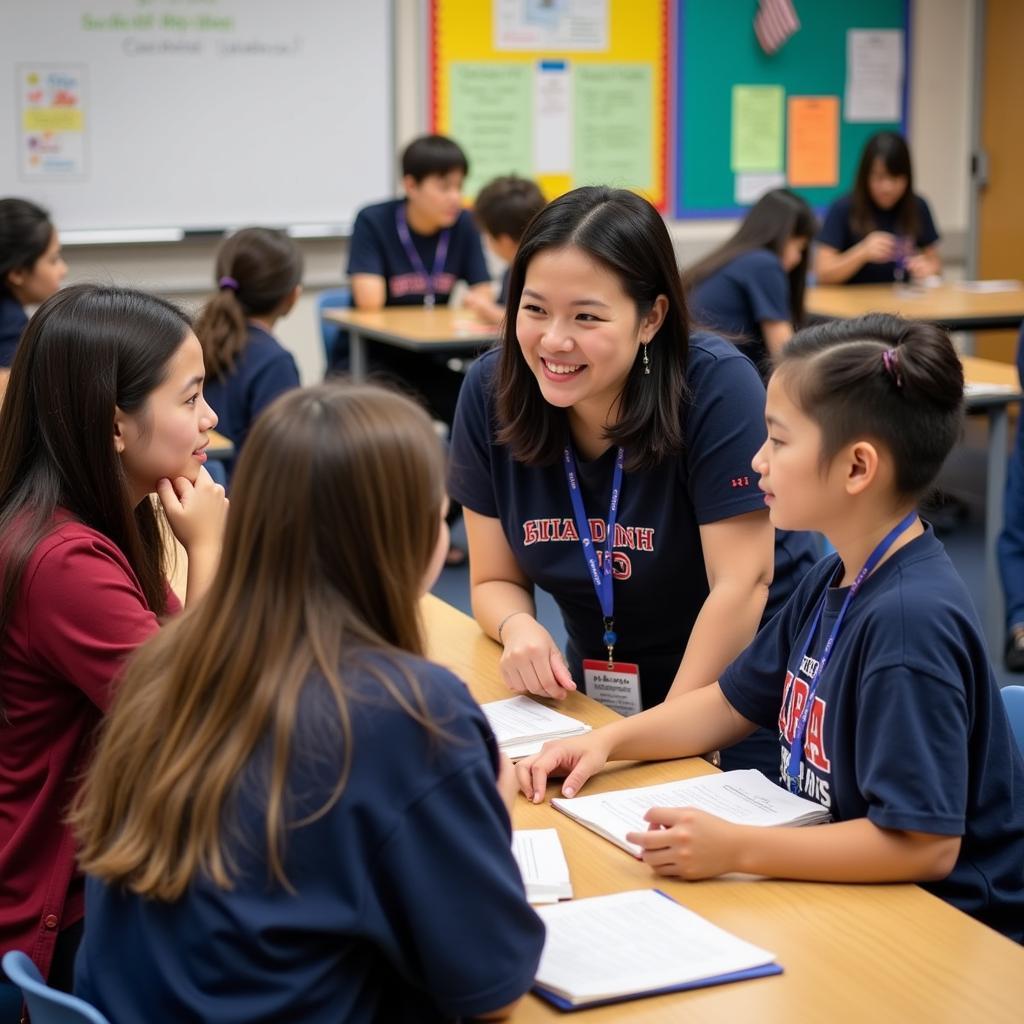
564 25
757 127
52 125
492 117
611 144
812 150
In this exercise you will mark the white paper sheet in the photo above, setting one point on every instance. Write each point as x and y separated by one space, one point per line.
874 75
542 863
552 118
520 719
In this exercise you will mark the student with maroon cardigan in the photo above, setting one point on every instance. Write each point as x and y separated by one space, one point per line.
104 407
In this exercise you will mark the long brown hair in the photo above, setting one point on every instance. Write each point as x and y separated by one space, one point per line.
256 270
88 351
335 509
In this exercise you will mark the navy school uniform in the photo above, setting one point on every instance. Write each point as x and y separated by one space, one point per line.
263 370
660 579
907 727
737 297
408 905
838 233
12 325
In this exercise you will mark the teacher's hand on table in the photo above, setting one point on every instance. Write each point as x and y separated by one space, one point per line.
531 661
577 759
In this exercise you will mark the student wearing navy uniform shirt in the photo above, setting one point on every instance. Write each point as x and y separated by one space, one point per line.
752 286
259 275
293 815
597 368
1011 540
874 675
104 408
883 231
31 270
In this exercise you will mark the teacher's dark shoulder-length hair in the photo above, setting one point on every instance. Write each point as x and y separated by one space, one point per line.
624 233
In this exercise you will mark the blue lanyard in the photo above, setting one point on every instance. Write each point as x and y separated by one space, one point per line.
600 575
440 253
796 751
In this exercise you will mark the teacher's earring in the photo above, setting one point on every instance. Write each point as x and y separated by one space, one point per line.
646 361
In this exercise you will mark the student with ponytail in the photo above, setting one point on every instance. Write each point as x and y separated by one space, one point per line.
259 275
874 675
292 814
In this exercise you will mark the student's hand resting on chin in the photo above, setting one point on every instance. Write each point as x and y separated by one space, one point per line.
577 759
683 842
531 661
196 511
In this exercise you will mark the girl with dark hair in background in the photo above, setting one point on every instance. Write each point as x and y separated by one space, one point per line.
105 407
883 231
287 782
752 286
259 275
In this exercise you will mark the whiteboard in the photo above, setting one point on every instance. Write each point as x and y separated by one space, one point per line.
134 116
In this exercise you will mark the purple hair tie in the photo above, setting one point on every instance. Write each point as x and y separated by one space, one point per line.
890 359
228 282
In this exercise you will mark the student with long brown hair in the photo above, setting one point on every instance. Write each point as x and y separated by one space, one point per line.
259 275
104 408
292 815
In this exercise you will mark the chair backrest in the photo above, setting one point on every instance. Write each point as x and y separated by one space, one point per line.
1013 697
46 1005
332 298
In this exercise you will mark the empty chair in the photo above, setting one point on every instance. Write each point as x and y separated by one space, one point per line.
46 1005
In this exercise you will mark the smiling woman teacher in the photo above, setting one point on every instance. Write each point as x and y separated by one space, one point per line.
602 453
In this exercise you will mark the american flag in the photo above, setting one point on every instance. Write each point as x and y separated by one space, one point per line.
774 23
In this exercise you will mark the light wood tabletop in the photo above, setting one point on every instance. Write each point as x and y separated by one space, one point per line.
220 446
850 953
947 304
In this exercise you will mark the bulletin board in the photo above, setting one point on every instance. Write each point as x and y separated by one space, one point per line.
569 93
716 51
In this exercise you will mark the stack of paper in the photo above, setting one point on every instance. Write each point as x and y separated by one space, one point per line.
609 948
745 797
541 860
522 726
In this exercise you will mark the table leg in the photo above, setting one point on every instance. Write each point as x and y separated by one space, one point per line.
356 355
995 487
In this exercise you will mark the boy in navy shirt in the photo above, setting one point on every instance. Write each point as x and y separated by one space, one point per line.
874 674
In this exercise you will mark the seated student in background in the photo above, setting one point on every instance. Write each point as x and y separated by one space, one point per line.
31 270
105 407
874 675
1011 540
411 252
322 834
598 367
502 209
258 274
882 231
752 286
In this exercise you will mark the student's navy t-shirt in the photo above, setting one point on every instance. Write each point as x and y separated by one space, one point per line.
737 297
660 582
838 233
907 727
263 370
12 324
376 248
408 905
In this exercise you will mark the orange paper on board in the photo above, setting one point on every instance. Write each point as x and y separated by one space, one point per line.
812 147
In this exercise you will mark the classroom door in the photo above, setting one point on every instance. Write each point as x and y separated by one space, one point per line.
1001 200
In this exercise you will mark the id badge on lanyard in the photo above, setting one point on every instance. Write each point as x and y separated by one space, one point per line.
440 255
616 684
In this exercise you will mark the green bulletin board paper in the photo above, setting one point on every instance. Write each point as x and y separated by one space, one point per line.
757 127
492 117
611 137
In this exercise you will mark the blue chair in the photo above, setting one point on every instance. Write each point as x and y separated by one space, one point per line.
46 1005
1013 697
335 339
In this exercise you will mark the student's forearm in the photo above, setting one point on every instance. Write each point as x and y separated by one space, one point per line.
848 851
495 600
725 626
202 566
837 267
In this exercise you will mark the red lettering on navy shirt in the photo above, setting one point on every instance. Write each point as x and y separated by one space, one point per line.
794 697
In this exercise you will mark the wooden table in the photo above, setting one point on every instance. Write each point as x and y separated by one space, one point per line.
416 328
851 953
948 305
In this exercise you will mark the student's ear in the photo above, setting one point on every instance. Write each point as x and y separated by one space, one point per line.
15 278
651 323
120 428
862 467
410 184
